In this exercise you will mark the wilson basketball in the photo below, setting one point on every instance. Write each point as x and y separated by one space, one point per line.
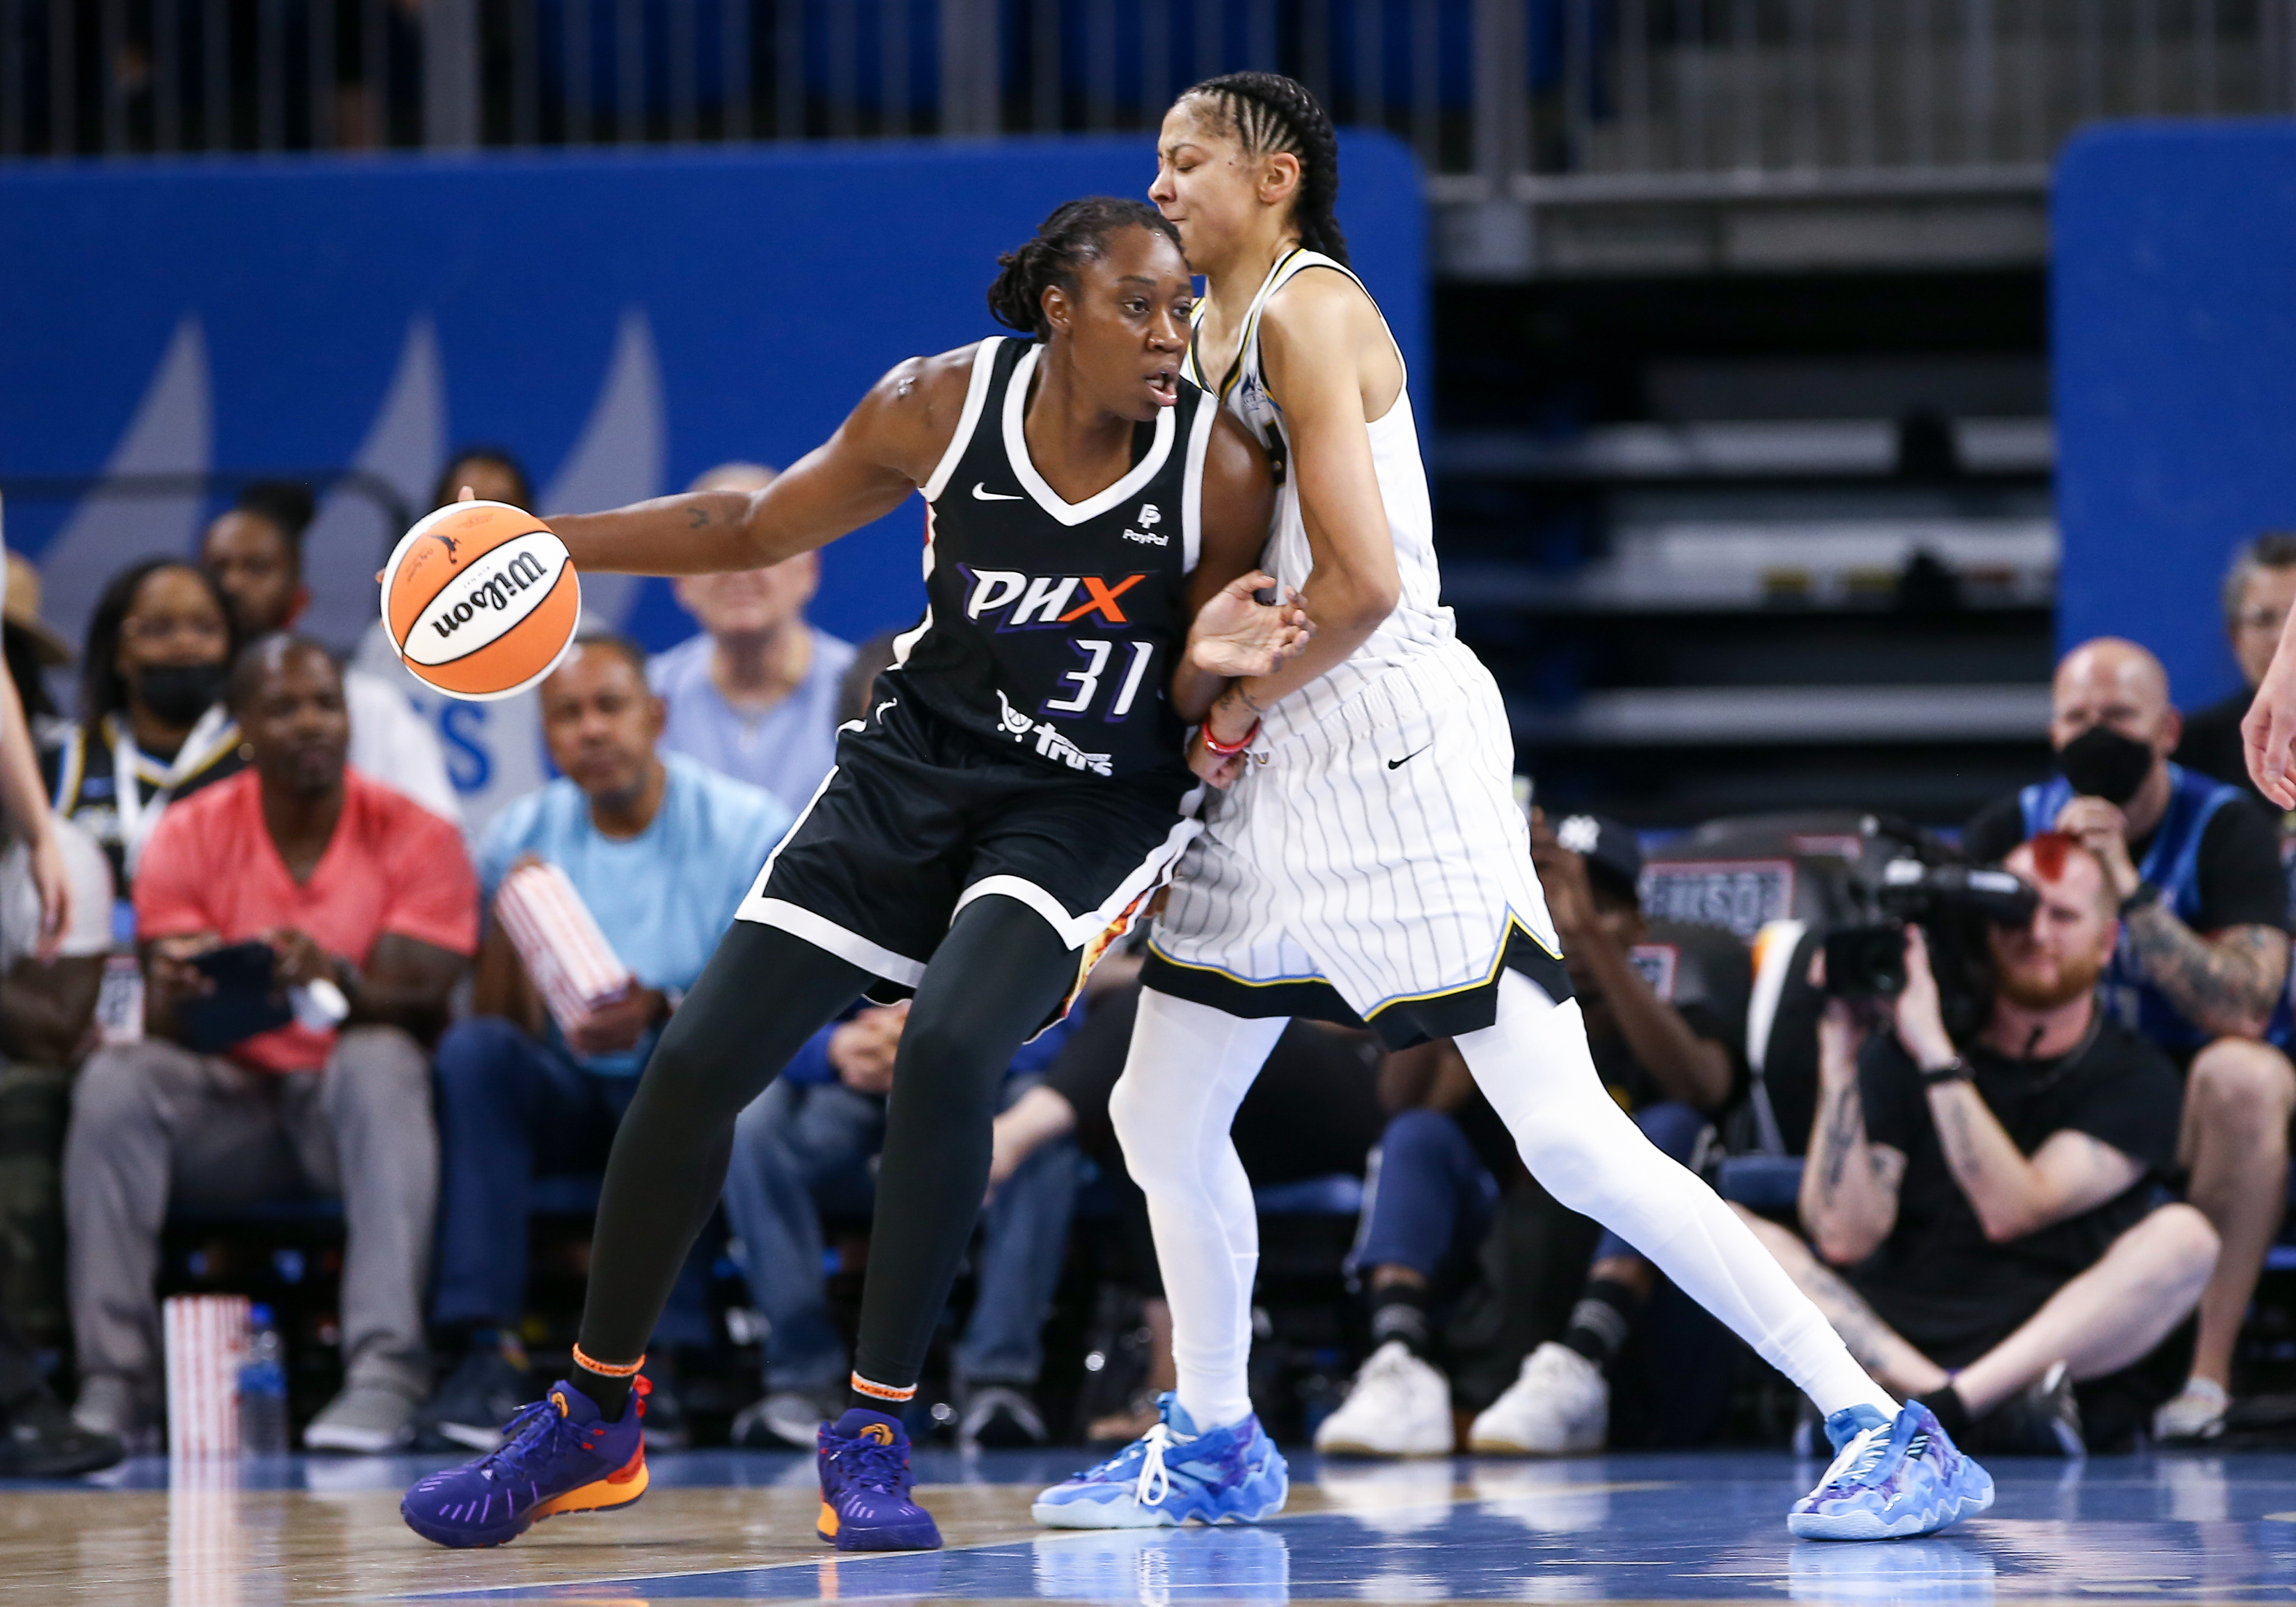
480 600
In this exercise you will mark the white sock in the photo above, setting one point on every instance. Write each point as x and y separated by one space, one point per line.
1188 1070
1533 1065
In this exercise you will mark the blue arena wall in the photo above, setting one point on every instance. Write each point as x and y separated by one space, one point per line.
2173 308
620 322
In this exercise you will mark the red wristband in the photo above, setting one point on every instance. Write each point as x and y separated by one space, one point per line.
1229 749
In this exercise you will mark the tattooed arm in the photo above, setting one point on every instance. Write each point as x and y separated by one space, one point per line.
2013 1193
2226 983
1849 1184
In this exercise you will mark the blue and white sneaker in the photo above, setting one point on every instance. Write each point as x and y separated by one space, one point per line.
1890 1479
1174 1472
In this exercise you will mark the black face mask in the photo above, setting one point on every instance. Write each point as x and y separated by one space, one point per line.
179 693
2101 763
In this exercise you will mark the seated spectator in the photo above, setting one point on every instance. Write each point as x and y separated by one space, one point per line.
755 694
2202 969
660 850
2258 590
488 473
154 726
1664 1041
1313 1112
255 552
1992 1203
365 899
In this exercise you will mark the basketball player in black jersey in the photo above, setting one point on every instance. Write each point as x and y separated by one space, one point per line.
1009 803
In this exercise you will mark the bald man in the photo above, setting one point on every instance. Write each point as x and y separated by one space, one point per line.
755 694
2202 965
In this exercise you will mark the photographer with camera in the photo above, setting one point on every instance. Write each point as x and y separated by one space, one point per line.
1991 1202
2202 969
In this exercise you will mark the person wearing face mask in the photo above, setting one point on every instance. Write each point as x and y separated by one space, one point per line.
2202 967
154 726
754 694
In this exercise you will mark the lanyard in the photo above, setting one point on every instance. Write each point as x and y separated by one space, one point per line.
137 814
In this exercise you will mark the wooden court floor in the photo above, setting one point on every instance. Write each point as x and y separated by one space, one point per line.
725 1526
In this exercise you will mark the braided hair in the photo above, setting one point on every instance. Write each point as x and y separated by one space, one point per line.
1077 233
1267 112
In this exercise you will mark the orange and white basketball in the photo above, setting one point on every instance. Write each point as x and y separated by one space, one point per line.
480 600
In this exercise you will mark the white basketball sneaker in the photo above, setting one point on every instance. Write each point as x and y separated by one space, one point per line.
1398 1406
1560 1406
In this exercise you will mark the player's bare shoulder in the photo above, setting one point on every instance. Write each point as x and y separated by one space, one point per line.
1321 317
1239 488
911 415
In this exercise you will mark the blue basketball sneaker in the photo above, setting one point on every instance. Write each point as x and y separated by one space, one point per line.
1174 1472
1890 1479
557 1456
863 1460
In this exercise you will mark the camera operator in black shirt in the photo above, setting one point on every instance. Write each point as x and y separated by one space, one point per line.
1992 1203
2202 969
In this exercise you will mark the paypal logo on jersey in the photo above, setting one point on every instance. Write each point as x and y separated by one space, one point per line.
1039 601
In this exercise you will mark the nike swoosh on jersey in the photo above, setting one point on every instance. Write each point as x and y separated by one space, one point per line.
1397 763
982 492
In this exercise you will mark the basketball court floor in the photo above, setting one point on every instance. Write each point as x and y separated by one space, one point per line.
729 1527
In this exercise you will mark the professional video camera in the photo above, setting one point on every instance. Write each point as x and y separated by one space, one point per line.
1952 903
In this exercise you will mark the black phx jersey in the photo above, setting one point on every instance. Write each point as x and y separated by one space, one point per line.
1050 625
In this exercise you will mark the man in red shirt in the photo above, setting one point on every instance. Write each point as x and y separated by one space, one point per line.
363 898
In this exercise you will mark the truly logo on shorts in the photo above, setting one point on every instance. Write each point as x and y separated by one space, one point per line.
1018 601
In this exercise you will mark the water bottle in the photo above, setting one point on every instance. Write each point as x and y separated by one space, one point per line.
120 997
263 1388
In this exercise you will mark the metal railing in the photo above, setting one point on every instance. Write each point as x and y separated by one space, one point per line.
1492 92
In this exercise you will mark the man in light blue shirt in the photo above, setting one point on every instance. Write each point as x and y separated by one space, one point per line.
755 694
660 850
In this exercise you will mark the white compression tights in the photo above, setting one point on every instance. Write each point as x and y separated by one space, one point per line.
1188 1070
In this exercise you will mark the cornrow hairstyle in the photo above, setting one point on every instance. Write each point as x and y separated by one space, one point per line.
1077 233
1269 112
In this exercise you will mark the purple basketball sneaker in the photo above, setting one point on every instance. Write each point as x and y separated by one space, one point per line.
863 1458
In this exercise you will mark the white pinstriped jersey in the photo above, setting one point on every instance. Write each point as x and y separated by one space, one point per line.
1373 847
1420 621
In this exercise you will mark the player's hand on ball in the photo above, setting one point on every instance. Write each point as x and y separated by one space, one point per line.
1237 634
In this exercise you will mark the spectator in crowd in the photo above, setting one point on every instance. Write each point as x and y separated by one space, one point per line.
367 908
660 850
2202 969
1665 1041
754 694
2258 590
489 473
1992 1202
255 552
54 886
154 726
808 1144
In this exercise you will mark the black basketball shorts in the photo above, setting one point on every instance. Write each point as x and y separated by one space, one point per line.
918 819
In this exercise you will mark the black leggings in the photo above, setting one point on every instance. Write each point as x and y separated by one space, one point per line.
1000 971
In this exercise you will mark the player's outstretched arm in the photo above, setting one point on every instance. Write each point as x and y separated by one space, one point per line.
886 449
2270 731
1317 336
1231 633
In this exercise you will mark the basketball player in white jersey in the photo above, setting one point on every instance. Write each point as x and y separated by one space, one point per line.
1367 863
